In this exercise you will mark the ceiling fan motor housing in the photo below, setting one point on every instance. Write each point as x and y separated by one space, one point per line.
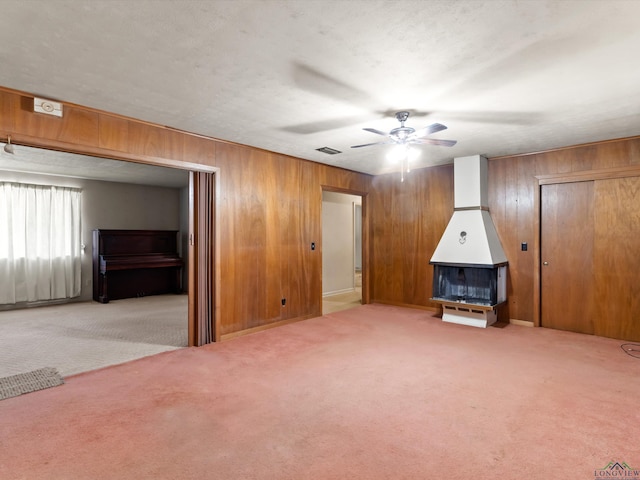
402 117
401 133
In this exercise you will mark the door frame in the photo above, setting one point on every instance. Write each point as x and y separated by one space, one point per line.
568 177
366 218
192 322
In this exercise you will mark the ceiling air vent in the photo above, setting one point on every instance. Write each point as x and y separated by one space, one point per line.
328 151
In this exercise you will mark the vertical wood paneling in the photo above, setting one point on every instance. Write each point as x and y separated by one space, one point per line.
113 133
299 198
522 271
503 208
288 238
634 151
417 268
147 140
585 159
308 207
269 205
512 191
408 219
200 150
249 239
616 259
79 126
611 154
9 111
380 230
405 225
345 179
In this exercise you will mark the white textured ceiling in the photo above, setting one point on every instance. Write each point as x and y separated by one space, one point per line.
505 76
50 162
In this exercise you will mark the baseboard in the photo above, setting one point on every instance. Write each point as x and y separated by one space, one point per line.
522 323
247 331
407 305
339 292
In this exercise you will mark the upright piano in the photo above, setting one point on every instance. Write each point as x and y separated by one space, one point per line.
135 263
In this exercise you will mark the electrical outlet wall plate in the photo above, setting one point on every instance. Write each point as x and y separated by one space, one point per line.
48 107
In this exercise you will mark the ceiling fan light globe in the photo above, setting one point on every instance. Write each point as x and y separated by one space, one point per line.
413 154
398 153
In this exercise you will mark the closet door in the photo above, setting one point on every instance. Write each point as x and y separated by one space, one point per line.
590 256
567 250
617 258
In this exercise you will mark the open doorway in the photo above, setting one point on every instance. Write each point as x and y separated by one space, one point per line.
128 187
341 251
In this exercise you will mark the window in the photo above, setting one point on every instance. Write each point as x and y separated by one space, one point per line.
40 240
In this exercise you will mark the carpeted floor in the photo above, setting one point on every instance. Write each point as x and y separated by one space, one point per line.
373 392
78 337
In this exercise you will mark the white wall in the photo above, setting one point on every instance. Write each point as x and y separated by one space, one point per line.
338 263
110 205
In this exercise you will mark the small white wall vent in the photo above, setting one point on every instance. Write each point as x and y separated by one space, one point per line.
49 107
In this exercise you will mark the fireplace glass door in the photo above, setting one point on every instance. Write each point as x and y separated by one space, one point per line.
469 284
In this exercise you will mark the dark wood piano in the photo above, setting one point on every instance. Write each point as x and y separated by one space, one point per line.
135 263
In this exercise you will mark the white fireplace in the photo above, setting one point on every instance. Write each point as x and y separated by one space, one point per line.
470 266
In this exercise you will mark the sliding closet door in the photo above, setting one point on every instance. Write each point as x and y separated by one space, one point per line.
617 258
590 239
202 259
566 232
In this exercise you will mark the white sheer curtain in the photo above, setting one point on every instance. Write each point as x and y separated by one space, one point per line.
40 240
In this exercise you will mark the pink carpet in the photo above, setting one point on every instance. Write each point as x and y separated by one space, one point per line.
376 392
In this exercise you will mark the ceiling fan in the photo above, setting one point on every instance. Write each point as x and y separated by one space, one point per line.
406 135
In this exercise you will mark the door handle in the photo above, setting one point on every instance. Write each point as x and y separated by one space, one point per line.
545 263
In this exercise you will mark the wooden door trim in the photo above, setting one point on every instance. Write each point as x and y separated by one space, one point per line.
366 219
589 175
568 177
80 149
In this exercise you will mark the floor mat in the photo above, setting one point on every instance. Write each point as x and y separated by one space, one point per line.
29 382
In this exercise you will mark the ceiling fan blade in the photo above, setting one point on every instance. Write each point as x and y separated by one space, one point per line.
379 132
435 141
436 127
369 144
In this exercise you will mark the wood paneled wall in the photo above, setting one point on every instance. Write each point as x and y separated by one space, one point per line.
270 210
407 221
269 207
409 218
512 184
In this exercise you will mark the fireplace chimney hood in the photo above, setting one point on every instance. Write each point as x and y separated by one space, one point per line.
470 238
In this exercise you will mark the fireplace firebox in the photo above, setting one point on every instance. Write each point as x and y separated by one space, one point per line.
469 294
472 285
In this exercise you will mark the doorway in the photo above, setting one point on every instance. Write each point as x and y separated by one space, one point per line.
197 315
341 251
